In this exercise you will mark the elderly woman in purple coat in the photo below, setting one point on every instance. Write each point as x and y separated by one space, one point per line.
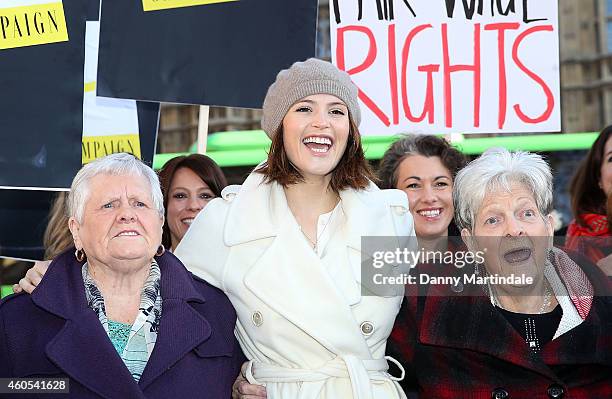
120 317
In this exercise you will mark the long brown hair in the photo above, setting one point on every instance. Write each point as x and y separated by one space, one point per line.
353 170
201 165
587 195
57 237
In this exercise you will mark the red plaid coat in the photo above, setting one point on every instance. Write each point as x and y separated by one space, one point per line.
461 347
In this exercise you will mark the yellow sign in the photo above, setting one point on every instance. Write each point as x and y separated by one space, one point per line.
95 147
152 5
31 25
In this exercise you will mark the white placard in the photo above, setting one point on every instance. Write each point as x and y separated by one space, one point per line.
109 125
440 66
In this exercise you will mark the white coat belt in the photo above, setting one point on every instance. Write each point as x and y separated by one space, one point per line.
360 372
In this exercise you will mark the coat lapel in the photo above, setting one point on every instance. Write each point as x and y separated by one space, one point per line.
580 345
376 221
182 328
180 331
82 348
256 212
366 217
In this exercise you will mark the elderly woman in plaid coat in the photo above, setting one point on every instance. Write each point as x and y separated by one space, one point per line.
547 334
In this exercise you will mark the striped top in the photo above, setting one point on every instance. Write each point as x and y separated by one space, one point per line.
134 343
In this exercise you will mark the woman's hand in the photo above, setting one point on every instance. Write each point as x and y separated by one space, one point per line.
32 277
243 390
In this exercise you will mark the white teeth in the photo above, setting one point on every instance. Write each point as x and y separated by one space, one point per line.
319 150
187 221
430 214
317 140
128 233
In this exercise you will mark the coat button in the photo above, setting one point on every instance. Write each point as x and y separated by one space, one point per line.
458 288
555 391
257 318
499 393
367 328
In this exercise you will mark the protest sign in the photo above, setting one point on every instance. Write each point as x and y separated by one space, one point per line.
113 125
109 125
42 86
451 66
31 22
24 213
52 120
221 53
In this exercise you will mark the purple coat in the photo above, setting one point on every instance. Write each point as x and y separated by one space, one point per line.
53 333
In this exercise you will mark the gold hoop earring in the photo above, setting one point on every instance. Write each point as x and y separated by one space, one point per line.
80 256
160 250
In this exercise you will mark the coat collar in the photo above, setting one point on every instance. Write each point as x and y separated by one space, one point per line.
63 294
256 212
82 348
259 209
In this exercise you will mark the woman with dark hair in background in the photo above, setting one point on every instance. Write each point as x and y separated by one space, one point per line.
188 184
424 167
588 233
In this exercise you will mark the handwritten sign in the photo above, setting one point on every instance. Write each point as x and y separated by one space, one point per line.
450 66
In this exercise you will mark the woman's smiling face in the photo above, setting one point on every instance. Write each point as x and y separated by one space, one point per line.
315 134
187 196
605 181
429 186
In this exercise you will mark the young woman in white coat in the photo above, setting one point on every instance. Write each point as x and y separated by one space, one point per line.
286 246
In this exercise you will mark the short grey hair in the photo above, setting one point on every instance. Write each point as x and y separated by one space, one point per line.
495 169
115 164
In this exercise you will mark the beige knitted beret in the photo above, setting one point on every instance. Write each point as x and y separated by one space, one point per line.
303 79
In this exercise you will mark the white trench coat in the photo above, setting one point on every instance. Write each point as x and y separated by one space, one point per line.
301 319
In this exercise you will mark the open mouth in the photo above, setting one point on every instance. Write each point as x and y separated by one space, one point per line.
187 221
128 233
318 144
430 213
517 255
